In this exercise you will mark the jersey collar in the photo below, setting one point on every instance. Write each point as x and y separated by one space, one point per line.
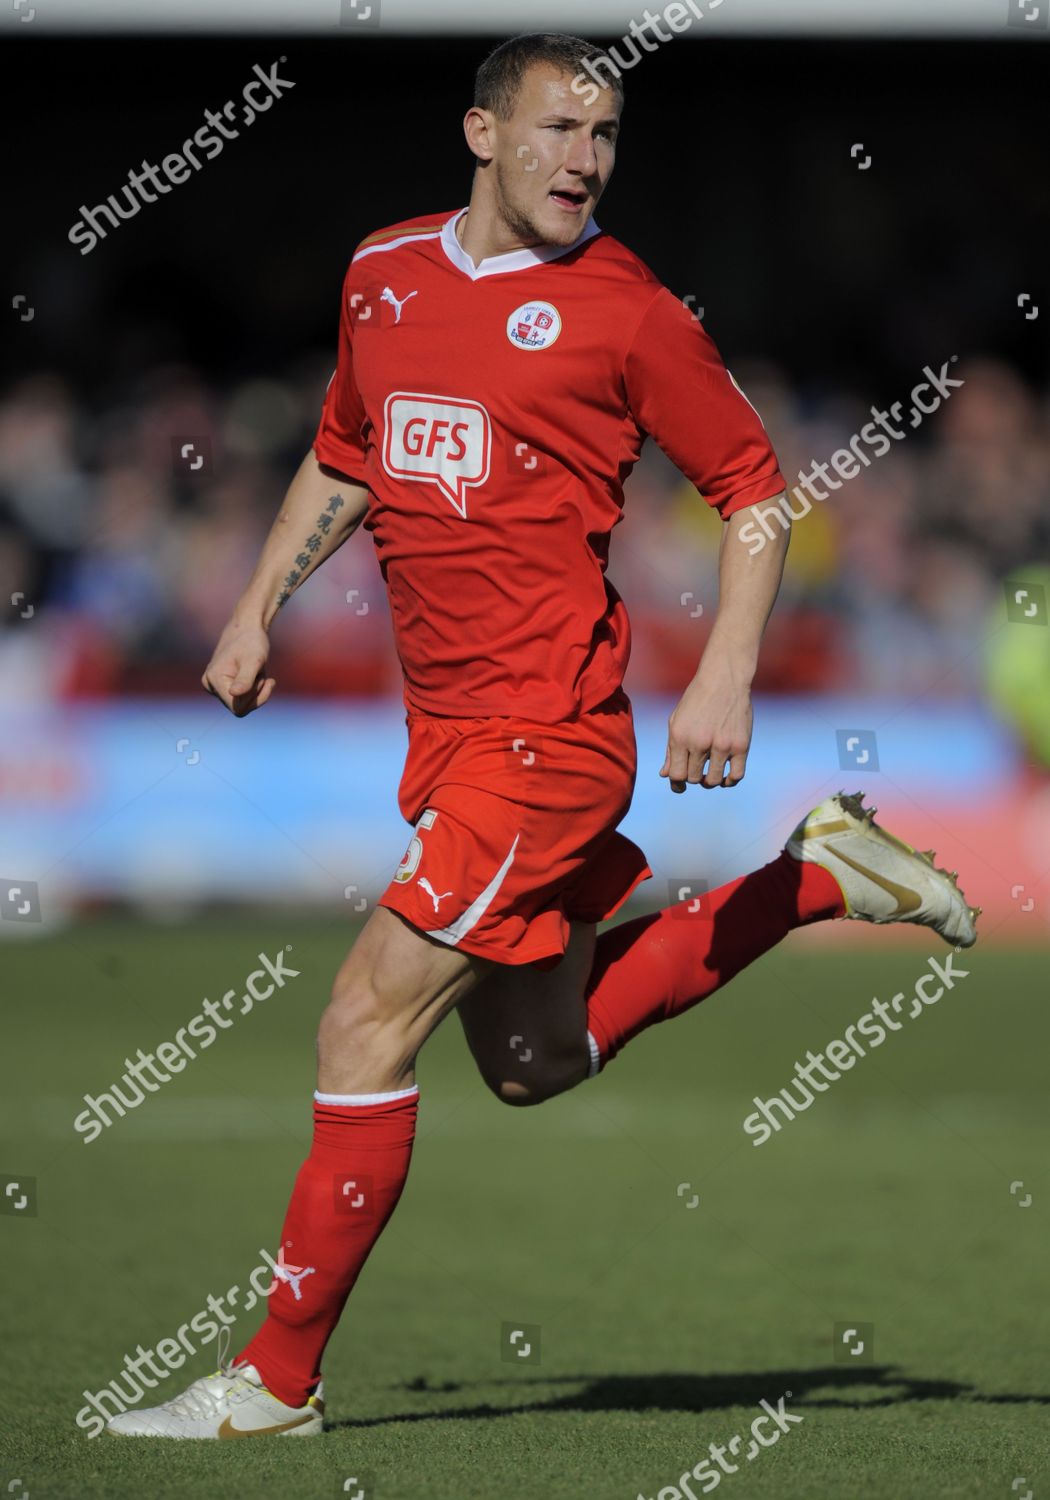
512 260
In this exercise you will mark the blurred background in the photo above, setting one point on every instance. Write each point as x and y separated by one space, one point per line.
845 200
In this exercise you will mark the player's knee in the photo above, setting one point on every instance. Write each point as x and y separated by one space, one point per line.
354 1018
512 1091
535 1081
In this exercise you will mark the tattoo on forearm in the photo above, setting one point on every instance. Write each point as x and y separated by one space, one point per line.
305 559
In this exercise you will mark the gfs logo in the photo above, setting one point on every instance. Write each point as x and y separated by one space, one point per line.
437 440
534 325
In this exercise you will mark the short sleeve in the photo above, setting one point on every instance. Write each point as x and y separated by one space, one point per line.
339 441
683 396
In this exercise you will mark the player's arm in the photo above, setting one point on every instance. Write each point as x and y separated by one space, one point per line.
321 509
681 393
712 722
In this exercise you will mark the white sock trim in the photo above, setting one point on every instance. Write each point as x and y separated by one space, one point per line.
596 1058
366 1098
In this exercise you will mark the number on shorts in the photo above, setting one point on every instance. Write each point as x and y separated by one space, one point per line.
414 853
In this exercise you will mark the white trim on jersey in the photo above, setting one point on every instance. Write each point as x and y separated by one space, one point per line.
477 908
512 260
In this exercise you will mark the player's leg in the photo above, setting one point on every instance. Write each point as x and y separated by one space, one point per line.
527 1028
536 1033
389 995
838 862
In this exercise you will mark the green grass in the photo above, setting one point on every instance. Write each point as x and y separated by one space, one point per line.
663 1327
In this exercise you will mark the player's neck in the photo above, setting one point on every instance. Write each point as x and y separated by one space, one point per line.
483 234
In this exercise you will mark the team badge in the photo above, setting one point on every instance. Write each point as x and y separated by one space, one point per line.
534 325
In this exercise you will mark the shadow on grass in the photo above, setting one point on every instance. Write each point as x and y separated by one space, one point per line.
883 1385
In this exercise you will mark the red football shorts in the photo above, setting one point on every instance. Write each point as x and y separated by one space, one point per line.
515 830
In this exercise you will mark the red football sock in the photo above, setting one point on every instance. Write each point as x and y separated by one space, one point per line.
655 967
345 1192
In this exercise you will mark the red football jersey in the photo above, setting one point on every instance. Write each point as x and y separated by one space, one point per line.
494 413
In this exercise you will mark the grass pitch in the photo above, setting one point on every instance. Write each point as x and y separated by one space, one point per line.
668 1275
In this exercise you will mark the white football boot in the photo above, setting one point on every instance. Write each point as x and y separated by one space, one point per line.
882 879
232 1403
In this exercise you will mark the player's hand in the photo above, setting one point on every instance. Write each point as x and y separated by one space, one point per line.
710 727
236 674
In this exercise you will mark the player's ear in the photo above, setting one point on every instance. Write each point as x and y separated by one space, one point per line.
478 126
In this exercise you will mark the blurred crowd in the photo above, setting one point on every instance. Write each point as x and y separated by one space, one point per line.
121 555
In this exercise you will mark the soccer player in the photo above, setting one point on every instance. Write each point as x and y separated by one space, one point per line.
499 368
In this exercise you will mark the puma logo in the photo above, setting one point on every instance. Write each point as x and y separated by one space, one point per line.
292 1275
432 893
388 296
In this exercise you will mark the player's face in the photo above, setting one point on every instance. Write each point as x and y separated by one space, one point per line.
553 157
